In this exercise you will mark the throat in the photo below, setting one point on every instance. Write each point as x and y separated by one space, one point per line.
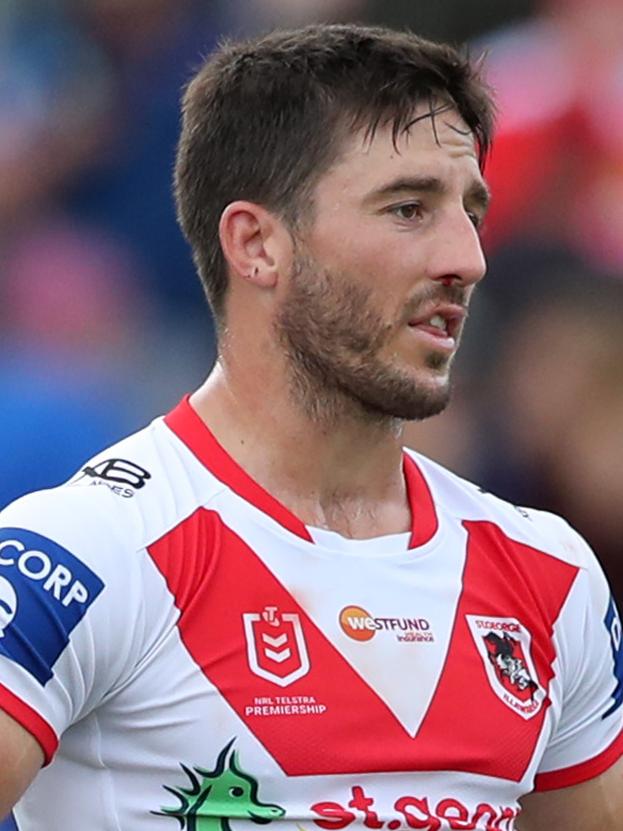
388 543
358 522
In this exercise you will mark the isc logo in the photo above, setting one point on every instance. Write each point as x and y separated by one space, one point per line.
37 565
45 591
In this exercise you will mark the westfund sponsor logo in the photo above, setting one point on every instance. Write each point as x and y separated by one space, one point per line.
360 625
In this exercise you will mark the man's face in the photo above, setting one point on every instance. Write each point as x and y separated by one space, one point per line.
384 272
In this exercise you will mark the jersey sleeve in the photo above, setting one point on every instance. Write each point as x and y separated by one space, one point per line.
70 611
588 737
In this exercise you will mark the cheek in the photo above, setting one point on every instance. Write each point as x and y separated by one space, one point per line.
386 265
383 260
368 244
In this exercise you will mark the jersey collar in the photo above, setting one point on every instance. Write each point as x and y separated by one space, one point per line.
187 425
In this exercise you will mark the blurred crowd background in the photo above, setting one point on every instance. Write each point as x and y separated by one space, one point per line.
102 321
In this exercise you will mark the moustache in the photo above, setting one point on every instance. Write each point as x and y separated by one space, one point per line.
454 294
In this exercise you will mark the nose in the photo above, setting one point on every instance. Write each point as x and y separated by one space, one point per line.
458 256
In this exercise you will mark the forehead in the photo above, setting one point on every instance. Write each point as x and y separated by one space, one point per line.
439 145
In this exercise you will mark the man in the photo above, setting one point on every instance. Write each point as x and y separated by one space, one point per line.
261 609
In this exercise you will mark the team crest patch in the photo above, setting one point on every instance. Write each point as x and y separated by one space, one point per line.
504 643
276 647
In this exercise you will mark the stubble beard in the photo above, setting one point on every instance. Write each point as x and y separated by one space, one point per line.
333 335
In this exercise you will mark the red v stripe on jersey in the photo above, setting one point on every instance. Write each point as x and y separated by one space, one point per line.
464 714
424 522
237 582
216 578
192 430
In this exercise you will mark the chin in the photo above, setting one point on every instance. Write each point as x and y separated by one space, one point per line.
427 403
413 399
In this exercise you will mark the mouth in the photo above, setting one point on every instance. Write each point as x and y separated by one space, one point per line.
440 326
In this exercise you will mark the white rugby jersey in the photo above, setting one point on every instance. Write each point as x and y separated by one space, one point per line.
189 657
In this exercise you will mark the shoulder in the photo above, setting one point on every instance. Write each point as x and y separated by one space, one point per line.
118 503
467 502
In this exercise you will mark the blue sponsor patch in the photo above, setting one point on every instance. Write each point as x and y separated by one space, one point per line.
44 593
613 625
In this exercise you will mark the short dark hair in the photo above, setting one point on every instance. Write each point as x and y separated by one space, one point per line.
263 119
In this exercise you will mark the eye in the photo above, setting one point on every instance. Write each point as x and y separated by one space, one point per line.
236 791
476 220
408 210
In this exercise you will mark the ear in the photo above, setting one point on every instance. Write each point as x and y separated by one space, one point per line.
255 243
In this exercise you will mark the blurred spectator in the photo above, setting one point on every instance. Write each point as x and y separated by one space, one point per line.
555 409
73 318
557 166
74 286
55 101
247 16
152 47
456 21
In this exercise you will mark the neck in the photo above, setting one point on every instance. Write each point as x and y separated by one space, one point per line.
332 468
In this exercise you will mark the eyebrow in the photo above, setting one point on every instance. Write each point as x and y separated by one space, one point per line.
477 193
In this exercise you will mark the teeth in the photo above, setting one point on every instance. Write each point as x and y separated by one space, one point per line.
438 322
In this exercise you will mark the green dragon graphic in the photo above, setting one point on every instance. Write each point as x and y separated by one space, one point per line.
216 796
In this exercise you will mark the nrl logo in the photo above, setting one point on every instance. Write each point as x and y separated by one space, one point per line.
276 648
504 646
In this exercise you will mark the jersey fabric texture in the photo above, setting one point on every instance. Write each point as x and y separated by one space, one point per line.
189 656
